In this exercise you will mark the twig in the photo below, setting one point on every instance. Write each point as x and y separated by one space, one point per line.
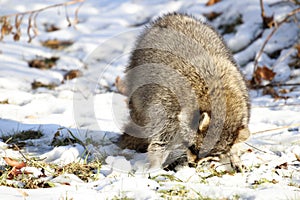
45 8
285 56
77 140
29 27
32 29
276 129
28 160
277 25
67 16
254 147
35 29
76 19
262 9
275 85
19 150
274 106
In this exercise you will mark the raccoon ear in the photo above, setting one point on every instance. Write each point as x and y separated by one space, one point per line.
204 122
243 135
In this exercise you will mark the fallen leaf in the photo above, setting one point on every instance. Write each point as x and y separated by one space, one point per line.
65 183
43 63
282 166
271 91
263 73
14 163
249 150
38 84
57 44
212 15
17 36
283 91
268 22
212 2
72 74
51 27
274 181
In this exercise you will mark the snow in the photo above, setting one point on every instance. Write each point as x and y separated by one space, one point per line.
102 43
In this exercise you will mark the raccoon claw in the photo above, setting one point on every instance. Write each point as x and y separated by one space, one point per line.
235 160
238 167
236 163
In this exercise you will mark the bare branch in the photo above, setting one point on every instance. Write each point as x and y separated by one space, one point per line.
275 85
35 29
278 24
76 20
45 8
18 22
277 129
276 106
262 9
29 27
67 16
32 28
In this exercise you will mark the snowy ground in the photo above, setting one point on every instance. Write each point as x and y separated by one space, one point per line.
89 108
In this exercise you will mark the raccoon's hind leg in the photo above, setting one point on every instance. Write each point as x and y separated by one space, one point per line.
129 141
126 141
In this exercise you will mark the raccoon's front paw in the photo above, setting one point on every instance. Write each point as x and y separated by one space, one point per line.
157 155
236 164
235 160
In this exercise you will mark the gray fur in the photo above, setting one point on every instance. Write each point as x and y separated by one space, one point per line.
186 94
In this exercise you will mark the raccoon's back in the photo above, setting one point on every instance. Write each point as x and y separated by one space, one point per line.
190 59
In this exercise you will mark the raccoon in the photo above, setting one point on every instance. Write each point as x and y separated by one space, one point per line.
186 95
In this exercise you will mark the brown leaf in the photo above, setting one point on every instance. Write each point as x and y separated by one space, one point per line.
274 94
274 181
57 44
249 150
268 22
212 15
38 84
17 36
65 183
212 2
282 166
15 172
43 63
14 163
6 29
270 91
283 91
51 27
263 73
72 74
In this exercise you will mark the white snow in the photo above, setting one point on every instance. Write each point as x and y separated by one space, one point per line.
102 43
